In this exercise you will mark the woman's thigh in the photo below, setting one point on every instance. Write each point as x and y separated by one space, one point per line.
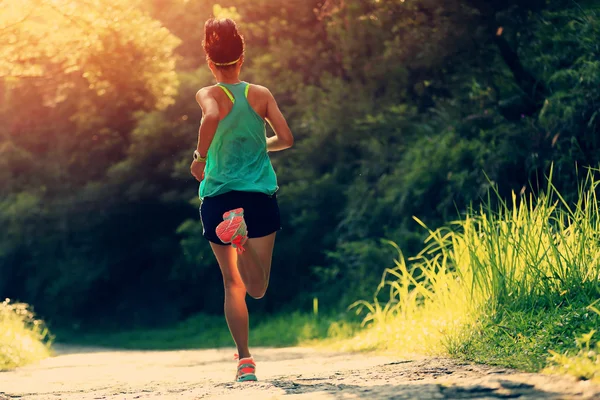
227 259
261 213
263 248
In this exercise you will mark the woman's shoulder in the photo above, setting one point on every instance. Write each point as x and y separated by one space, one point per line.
258 88
207 91
261 92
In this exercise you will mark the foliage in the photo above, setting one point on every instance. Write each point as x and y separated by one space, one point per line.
528 339
398 108
503 285
204 331
47 39
586 363
23 338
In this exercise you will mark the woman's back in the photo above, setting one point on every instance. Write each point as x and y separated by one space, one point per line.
237 159
257 96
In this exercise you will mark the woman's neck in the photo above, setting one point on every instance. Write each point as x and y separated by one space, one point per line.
227 78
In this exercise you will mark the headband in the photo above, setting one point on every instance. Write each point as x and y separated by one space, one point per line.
226 64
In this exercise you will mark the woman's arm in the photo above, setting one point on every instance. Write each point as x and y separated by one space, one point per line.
208 128
283 138
210 119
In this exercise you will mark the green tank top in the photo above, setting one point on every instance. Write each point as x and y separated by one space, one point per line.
237 158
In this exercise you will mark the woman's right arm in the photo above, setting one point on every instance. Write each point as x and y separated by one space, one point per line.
283 138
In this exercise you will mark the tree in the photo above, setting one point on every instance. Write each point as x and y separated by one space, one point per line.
92 40
74 74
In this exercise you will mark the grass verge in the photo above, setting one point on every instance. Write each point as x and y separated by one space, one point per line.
512 286
23 338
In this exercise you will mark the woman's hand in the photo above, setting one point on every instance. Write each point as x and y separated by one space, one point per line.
197 169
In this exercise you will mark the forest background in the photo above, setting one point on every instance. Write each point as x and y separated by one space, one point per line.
399 109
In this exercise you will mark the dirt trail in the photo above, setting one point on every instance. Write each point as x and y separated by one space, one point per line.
295 373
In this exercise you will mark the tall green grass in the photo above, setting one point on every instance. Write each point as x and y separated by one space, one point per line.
23 338
499 280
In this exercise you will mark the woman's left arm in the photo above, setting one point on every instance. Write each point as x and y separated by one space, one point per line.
208 128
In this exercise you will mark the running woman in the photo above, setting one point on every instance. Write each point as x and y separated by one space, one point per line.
239 211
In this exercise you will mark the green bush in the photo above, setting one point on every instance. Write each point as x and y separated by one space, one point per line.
23 338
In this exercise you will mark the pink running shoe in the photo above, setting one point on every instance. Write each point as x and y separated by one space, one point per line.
246 370
233 229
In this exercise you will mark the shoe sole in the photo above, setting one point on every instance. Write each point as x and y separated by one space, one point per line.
229 217
247 378
224 226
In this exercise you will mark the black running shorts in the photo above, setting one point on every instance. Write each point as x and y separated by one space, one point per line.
261 213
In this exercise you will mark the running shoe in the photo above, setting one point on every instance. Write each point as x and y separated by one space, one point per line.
246 370
233 229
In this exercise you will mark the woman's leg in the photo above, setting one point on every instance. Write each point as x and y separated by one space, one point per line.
236 312
255 264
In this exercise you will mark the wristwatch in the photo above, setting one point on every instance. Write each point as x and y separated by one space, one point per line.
198 157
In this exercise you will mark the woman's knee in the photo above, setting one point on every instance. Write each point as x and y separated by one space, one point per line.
234 285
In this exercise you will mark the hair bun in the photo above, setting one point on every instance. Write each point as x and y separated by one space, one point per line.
222 40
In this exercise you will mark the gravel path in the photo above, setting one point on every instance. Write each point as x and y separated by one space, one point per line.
294 373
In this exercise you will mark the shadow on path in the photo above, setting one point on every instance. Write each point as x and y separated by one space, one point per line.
504 390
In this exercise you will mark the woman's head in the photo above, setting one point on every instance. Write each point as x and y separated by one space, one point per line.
223 43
